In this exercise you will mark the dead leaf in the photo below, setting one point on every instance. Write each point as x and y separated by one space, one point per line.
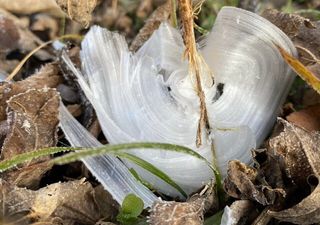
27 40
144 9
243 212
73 202
245 182
308 210
310 97
306 74
290 24
177 213
9 35
288 146
78 10
31 6
308 118
161 14
45 24
33 121
305 34
47 76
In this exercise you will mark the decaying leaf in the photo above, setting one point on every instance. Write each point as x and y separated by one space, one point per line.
73 202
43 22
308 119
291 24
296 139
9 35
161 14
78 10
245 182
47 76
31 6
288 146
33 121
305 34
177 213
243 212
144 9
27 41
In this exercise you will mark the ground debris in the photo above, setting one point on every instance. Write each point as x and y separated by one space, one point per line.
245 182
73 202
24 40
31 6
304 33
296 139
177 213
308 118
78 10
33 124
161 14
47 76
241 212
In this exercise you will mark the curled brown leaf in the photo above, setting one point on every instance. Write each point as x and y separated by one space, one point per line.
245 182
308 210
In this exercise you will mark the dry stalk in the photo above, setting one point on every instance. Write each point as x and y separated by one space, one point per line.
187 18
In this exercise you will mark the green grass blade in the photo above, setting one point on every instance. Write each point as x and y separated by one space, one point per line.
115 149
112 149
142 181
28 156
152 169
215 219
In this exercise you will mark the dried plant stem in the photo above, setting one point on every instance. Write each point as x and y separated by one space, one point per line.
25 59
174 20
187 16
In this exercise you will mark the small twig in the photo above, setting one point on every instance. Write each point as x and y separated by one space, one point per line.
187 18
315 59
25 59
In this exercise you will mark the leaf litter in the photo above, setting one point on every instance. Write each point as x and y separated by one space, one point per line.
287 164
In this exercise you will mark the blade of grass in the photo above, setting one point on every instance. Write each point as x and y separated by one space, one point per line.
116 149
142 181
113 149
152 169
28 156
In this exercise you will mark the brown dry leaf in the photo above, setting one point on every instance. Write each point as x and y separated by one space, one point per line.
177 213
9 35
288 146
304 34
45 23
161 14
144 9
308 210
291 24
27 41
73 202
47 76
243 212
245 182
31 6
308 118
78 10
33 121
310 97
